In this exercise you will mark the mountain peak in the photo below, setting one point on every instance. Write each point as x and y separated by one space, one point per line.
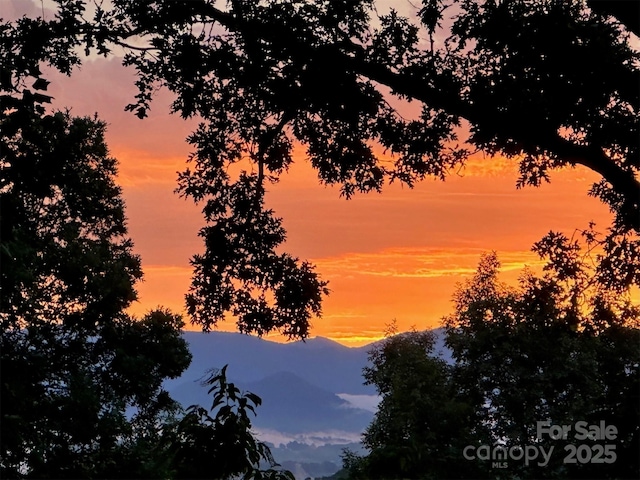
324 341
318 342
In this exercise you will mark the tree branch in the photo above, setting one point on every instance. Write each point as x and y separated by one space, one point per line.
417 87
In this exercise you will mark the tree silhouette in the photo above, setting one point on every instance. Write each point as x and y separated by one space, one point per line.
550 84
423 422
558 347
547 83
72 361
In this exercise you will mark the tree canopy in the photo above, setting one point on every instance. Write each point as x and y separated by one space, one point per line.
556 348
547 83
72 361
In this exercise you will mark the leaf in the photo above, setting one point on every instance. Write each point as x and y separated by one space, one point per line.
40 84
255 399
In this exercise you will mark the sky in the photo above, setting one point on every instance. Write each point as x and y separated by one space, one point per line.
396 255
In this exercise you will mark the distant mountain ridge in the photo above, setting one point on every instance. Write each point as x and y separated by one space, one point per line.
319 361
298 382
290 404
302 414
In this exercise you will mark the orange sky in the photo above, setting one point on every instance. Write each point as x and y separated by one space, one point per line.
395 255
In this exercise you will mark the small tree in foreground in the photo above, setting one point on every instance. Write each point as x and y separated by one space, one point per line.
407 442
219 443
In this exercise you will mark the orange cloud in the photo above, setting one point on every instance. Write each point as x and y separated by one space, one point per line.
417 263
368 290
141 168
162 286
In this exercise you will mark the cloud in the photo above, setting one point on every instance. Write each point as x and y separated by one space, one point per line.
105 87
418 262
364 402
137 168
317 439
168 270
15 9
355 338
162 286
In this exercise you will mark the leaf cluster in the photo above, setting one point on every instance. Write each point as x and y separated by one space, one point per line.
218 443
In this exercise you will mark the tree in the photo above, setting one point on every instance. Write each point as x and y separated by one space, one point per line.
558 347
422 422
222 445
548 83
81 383
561 347
72 361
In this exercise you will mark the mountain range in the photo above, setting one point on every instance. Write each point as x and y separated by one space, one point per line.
314 401
299 382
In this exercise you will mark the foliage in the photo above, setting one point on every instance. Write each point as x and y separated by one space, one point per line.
72 361
421 423
559 347
220 444
549 84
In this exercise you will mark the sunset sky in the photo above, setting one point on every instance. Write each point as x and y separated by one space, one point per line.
394 255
